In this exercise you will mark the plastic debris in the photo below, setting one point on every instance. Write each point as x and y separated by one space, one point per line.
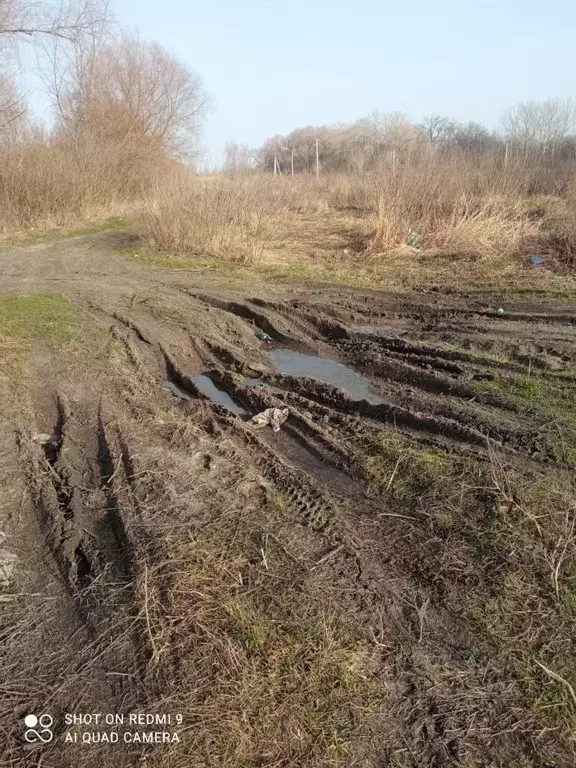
414 239
42 438
273 417
7 565
500 311
49 443
536 260
264 337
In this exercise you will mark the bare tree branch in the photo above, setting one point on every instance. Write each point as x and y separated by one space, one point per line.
67 20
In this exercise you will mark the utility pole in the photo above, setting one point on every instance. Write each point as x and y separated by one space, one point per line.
275 164
506 156
317 160
292 162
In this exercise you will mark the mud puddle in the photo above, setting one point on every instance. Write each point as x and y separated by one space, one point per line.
329 371
218 396
206 386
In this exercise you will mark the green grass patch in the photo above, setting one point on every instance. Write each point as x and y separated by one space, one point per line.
530 387
313 271
48 317
404 469
477 352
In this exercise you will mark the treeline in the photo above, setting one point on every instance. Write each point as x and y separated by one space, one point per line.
544 129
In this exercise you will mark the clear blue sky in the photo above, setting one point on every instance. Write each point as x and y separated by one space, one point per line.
273 66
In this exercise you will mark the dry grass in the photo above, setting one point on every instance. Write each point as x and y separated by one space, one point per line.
262 680
52 183
262 656
457 205
229 217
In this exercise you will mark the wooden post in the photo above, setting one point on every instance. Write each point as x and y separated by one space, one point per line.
317 160
506 156
292 162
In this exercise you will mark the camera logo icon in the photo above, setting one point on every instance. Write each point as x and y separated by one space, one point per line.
38 729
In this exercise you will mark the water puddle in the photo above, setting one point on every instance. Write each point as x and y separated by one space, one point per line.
208 388
328 371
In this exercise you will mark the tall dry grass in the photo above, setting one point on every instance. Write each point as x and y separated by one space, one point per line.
48 183
226 216
463 204
457 204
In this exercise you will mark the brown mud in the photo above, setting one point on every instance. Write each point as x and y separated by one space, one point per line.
133 437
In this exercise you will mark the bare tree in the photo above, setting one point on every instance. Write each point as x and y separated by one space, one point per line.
130 89
12 104
237 157
63 23
438 129
472 137
540 124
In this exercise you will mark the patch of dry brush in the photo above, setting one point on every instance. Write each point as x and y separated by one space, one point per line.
457 204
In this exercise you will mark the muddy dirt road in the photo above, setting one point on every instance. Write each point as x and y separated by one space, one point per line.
417 500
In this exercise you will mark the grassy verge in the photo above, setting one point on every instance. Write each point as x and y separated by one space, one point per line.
395 271
497 539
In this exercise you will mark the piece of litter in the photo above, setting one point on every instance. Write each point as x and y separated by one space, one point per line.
274 417
537 260
264 337
42 438
500 311
7 564
414 239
